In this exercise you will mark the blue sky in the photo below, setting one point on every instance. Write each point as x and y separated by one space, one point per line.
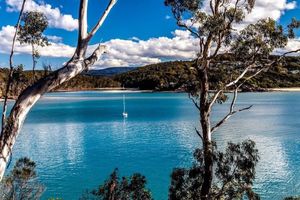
138 31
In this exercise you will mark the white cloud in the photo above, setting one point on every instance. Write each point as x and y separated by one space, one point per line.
55 17
262 9
292 45
182 46
137 52
120 52
54 38
142 52
54 50
269 8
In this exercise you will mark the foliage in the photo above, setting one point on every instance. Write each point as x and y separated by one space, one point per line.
292 198
259 40
31 30
172 76
22 79
22 182
181 76
133 188
234 174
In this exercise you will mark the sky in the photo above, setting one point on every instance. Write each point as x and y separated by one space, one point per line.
137 32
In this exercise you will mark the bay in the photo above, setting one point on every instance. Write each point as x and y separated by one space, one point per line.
78 138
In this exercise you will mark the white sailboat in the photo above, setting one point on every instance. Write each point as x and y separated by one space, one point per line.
125 114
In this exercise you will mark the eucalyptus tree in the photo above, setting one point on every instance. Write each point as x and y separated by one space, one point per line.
234 174
127 188
214 25
31 31
22 182
79 62
11 69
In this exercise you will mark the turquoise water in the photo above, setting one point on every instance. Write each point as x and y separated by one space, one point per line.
77 139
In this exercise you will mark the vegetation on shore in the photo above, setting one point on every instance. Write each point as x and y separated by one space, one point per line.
166 76
180 74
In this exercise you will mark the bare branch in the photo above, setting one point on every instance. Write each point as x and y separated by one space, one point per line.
217 94
239 77
227 117
289 52
11 69
194 101
199 134
183 25
95 56
102 19
214 99
232 111
267 66
219 44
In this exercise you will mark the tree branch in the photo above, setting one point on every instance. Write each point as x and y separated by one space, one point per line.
231 110
199 134
194 101
230 114
11 68
102 19
95 56
183 25
33 93
82 20
217 94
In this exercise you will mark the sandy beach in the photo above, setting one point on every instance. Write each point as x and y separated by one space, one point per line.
292 89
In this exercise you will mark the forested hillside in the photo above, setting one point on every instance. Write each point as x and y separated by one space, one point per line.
167 76
180 74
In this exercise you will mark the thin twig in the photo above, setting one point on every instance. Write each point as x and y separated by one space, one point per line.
102 19
11 69
194 101
199 134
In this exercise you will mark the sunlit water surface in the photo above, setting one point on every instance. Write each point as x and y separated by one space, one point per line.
77 139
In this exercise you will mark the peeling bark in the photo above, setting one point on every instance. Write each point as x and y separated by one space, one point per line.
32 94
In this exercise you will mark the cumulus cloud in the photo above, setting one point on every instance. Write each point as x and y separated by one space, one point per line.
292 45
267 8
141 52
54 38
123 53
134 52
262 9
54 50
55 17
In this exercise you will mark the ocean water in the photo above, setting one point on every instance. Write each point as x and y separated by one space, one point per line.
78 138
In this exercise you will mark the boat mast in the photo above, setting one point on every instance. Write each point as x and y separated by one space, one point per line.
123 103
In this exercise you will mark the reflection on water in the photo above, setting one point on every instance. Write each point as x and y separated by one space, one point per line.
81 137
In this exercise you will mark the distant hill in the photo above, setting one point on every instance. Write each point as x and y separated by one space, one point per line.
166 76
178 75
110 71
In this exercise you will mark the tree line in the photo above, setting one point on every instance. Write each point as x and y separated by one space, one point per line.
166 76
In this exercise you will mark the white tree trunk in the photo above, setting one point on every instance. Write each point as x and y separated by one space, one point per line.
32 94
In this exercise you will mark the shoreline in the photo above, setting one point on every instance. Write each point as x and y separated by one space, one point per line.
103 89
287 89
291 89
